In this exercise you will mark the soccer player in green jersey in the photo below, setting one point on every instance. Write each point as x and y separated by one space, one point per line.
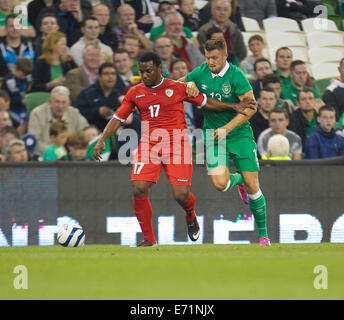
225 82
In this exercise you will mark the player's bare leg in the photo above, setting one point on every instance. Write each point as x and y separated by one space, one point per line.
143 211
186 200
257 204
223 180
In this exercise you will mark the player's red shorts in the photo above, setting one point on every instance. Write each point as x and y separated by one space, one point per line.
174 157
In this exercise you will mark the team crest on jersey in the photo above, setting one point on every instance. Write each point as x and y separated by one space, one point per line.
226 88
169 92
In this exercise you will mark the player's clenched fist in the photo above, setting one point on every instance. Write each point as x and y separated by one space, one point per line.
192 90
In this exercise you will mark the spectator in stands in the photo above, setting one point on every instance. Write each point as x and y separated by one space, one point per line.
166 8
15 151
205 14
194 115
127 24
58 108
5 120
274 82
163 47
278 148
90 31
13 46
258 9
324 142
122 64
256 45
190 14
47 24
77 146
51 67
278 123
6 117
7 134
34 7
216 33
260 120
16 84
143 12
70 15
58 133
261 67
110 13
298 79
102 13
85 75
131 43
296 10
284 58
334 93
98 101
304 119
6 9
220 13
182 47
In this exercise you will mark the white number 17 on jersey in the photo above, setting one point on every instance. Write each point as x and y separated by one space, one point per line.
154 110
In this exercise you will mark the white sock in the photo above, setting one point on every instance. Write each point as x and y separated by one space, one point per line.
255 196
228 185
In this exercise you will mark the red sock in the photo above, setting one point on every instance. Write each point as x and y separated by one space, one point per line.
144 212
189 208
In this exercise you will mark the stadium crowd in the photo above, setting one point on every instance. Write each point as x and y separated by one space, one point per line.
67 69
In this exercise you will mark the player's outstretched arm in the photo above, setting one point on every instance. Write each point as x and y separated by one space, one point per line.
242 107
109 130
238 120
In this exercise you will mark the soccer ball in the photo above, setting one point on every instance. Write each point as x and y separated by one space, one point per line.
71 235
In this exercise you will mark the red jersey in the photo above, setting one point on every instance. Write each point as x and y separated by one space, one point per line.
161 106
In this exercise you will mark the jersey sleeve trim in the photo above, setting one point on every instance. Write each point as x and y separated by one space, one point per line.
117 117
205 99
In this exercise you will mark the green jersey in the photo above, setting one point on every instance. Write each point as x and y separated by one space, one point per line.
226 86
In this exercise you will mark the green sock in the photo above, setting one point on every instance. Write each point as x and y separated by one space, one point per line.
236 179
258 209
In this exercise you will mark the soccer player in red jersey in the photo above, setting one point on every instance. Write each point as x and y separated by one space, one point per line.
164 142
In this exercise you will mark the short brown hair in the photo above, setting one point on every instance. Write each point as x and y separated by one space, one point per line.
279 110
56 128
24 65
326 107
256 37
215 44
78 139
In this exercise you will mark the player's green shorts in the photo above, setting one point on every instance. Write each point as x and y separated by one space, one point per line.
240 147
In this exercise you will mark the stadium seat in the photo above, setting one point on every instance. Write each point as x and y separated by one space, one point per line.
321 85
324 70
318 55
199 4
157 21
34 99
319 39
279 24
318 24
282 39
248 35
250 24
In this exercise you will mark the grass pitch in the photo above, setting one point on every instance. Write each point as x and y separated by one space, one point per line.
174 272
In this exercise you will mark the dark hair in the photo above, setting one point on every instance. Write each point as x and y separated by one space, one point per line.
11 16
215 44
48 14
260 60
24 65
326 107
304 90
83 23
296 63
279 110
4 94
8 129
256 37
211 31
122 50
56 128
267 90
105 65
176 61
162 3
282 48
270 78
150 56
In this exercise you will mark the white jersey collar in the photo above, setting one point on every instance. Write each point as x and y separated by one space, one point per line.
222 72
